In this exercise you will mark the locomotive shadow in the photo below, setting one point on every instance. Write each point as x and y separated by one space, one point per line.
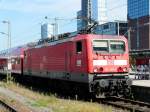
52 87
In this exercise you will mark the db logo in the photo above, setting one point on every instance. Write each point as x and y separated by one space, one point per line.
110 62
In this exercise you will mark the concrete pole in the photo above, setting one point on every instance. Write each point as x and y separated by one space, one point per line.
129 38
9 49
56 28
118 28
138 36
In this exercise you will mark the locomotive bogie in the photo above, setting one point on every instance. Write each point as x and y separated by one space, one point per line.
115 86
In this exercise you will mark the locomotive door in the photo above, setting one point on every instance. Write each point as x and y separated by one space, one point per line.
29 63
68 58
79 56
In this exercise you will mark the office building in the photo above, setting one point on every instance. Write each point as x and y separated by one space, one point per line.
94 9
89 10
138 22
46 30
112 28
102 11
79 21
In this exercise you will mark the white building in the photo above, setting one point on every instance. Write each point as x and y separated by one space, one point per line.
102 11
46 31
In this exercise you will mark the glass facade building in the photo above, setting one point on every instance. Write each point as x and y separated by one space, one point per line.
138 8
96 9
89 8
138 22
79 21
87 5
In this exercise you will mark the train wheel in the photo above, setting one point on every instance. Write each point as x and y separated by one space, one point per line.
120 95
128 93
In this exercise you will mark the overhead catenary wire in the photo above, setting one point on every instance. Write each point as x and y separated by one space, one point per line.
116 7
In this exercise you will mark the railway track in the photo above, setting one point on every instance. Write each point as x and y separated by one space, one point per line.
8 106
127 104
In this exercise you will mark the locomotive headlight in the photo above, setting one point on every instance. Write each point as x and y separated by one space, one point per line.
125 69
95 69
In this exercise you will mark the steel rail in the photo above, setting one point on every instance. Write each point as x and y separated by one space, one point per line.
131 105
7 106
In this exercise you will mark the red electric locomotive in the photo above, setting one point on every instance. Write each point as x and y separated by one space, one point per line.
99 62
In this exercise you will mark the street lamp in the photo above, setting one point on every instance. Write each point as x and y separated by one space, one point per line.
8 34
3 33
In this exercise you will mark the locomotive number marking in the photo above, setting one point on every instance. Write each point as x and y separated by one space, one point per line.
78 63
110 62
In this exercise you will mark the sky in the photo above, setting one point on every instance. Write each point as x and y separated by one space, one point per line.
26 17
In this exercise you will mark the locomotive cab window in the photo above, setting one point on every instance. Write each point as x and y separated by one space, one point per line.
117 47
100 45
78 47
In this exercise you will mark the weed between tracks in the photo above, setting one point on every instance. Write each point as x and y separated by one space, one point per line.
3 109
54 103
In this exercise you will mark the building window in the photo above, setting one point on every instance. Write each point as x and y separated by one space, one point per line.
138 8
106 27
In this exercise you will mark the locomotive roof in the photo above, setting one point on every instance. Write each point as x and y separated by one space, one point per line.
13 52
17 51
96 36
79 37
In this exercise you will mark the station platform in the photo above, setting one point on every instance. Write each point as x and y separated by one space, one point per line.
143 75
141 79
142 83
141 90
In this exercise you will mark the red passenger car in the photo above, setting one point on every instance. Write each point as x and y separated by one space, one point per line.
17 55
3 64
98 61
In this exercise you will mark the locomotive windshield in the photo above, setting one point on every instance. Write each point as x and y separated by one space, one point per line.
117 47
100 45
109 46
